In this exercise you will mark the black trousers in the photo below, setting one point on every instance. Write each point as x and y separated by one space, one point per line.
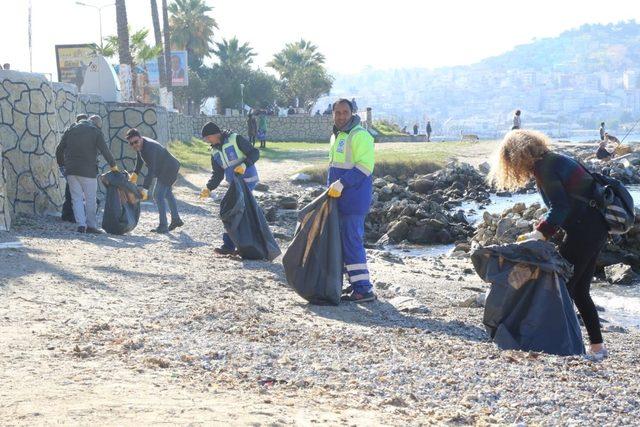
586 235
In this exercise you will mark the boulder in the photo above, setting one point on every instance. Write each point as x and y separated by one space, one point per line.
620 274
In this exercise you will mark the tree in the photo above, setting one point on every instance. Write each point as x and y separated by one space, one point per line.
158 39
302 73
260 88
167 44
126 62
295 56
233 55
192 29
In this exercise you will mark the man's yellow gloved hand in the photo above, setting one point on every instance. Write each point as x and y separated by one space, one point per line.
133 178
240 169
145 194
205 193
115 169
335 189
534 235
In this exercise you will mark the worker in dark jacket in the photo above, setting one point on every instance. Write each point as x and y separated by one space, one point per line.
78 151
67 206
562 183
231 154
163 166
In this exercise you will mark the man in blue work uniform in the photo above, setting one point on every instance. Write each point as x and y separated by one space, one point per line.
351 164
231 154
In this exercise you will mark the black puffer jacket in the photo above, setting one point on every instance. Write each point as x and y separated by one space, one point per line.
78 150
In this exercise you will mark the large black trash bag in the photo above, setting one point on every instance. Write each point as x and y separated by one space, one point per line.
528 307
122 203
245 223
313 260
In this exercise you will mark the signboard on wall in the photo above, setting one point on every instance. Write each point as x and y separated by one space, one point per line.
153 73
72 61
179 68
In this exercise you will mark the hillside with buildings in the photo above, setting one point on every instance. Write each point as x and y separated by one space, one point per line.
563 85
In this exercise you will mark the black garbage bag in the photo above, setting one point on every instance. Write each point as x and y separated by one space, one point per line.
245 223
528 307
122 203
313 260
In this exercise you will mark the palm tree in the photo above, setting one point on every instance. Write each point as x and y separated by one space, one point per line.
296 56
167 44
234 55
158 38
192 28
123 50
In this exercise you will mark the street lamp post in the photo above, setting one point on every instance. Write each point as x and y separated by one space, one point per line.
99 8
242 99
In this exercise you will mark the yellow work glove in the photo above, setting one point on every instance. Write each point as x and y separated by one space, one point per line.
335 189
240 169
205 193
145 194
115 169
534 235
133 178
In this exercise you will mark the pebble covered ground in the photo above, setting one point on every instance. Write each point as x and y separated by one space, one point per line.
145 328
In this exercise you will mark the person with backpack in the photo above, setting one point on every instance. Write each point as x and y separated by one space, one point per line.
565 187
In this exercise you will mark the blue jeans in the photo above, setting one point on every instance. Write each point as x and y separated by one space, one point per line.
163 192
227 243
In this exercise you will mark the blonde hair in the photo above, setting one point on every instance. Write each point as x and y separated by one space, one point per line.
513 161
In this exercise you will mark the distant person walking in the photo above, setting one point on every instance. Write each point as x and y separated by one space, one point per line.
355 106
517 124
428 131
79 150
262 130
252 129
602 131
163 166
415 129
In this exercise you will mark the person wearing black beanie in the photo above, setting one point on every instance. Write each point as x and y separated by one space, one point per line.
231 154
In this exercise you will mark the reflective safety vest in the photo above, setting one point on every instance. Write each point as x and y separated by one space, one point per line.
229 156
345 154
349 151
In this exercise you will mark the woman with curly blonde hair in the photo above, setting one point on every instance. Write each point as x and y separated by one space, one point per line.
526 154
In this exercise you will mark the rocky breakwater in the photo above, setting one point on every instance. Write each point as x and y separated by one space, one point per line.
619 261
420 210
624 167
498 229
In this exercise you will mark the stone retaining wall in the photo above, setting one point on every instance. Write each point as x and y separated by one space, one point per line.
291 128
35 112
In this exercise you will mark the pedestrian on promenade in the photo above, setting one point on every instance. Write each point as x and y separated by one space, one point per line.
428 131
252 129
517 124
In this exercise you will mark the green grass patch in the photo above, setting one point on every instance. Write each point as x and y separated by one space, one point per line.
196 154
388 128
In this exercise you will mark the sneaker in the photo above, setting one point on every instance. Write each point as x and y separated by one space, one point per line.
224 250
358 298
81 229
347 290
597 356
175 224
94 230
160 229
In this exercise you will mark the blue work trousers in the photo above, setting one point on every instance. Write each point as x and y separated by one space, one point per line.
353 253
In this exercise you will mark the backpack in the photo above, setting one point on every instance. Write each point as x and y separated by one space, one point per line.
613 200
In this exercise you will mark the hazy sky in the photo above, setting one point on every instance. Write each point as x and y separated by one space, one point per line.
352 34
